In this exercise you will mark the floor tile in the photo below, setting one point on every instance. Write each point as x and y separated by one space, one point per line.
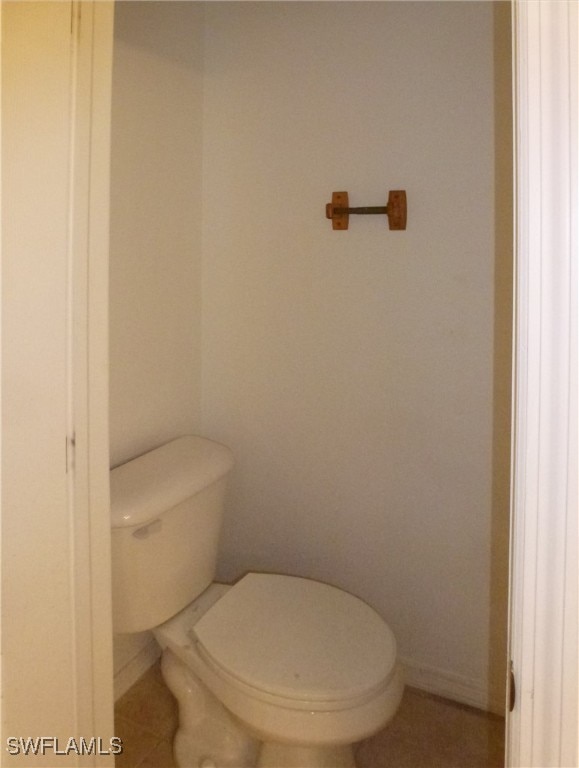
427 732
430 732
160 757
150 704
137 741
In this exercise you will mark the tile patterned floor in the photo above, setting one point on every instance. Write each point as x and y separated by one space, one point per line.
427 732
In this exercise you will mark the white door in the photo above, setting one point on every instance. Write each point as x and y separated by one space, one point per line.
56 627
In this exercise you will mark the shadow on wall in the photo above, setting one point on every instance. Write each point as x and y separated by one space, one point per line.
502 356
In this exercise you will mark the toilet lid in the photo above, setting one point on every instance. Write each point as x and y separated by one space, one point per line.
298 639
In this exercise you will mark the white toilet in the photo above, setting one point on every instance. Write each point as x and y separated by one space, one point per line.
274 671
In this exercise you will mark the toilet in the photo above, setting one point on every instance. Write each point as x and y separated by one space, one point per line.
273 671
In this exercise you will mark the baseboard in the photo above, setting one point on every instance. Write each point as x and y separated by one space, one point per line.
439 682
135 668
451 686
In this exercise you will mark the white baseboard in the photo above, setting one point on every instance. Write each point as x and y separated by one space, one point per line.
132 670
439 682
451 686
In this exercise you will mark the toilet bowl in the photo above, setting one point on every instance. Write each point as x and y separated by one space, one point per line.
301 665
275 671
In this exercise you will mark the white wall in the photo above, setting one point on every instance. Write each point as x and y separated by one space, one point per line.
155 225
352 373
155 260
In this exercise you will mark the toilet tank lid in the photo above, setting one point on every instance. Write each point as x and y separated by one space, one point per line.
147 486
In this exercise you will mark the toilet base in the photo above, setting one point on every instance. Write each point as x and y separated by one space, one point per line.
208 735
274 755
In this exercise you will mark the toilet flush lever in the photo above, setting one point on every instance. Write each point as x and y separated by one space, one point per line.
147 530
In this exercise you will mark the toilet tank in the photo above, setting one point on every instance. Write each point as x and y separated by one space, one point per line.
166 510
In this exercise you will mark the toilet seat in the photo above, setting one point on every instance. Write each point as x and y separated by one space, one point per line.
297 640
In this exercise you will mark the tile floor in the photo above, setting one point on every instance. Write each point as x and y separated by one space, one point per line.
427 732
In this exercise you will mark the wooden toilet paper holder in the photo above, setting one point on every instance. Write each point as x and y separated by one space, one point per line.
339 211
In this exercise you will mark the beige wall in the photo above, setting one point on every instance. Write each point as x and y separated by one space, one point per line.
36 527
155 260
55 540
155 225
503 339
352 373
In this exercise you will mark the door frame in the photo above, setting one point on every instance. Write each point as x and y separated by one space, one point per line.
542 728
93 25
